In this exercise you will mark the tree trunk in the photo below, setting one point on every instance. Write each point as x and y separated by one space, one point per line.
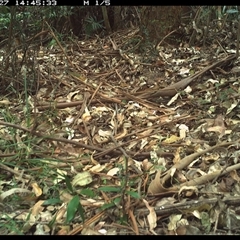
117 17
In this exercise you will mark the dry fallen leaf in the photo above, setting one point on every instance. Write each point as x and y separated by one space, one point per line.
218 126
37 190
37 208
82 179
152 216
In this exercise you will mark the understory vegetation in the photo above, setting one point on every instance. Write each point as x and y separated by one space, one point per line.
119 120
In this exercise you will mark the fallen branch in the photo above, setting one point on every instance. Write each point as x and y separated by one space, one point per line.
190 158
209 177
159 183
171 90
188 206
102 151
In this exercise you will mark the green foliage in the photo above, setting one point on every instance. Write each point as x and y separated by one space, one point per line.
133 194
147 41
230 12
58 12
4 20
230 9
92 25
9 143
52 43
68 183
74 207
28 19
206 222
114 203
10 224
88 192
52 222
109 189
51 201
224 95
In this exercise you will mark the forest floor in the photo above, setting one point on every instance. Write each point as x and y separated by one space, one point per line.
123 141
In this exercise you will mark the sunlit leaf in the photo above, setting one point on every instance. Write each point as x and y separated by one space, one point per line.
82 179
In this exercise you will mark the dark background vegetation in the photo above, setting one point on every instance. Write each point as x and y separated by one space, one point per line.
22 27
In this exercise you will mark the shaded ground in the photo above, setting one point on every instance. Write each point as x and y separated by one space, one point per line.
109 138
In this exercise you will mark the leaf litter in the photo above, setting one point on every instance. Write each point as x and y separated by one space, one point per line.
115 145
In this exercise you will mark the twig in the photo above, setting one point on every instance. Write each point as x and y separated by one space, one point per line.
157 46
125 185
187 160
60 45
52 138
13 171
134 222
189 205
15 126
171 90
210 176
95 92
86 96
79 228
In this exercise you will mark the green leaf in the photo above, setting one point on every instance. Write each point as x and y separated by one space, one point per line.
51 223
81 211
206 223
230 11
68 183
52 43
107 205
51 201
72 208
123 220
114 203
88 192
110 189
133 194
117 200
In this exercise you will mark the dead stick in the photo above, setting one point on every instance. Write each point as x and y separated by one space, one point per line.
187 160
174 88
